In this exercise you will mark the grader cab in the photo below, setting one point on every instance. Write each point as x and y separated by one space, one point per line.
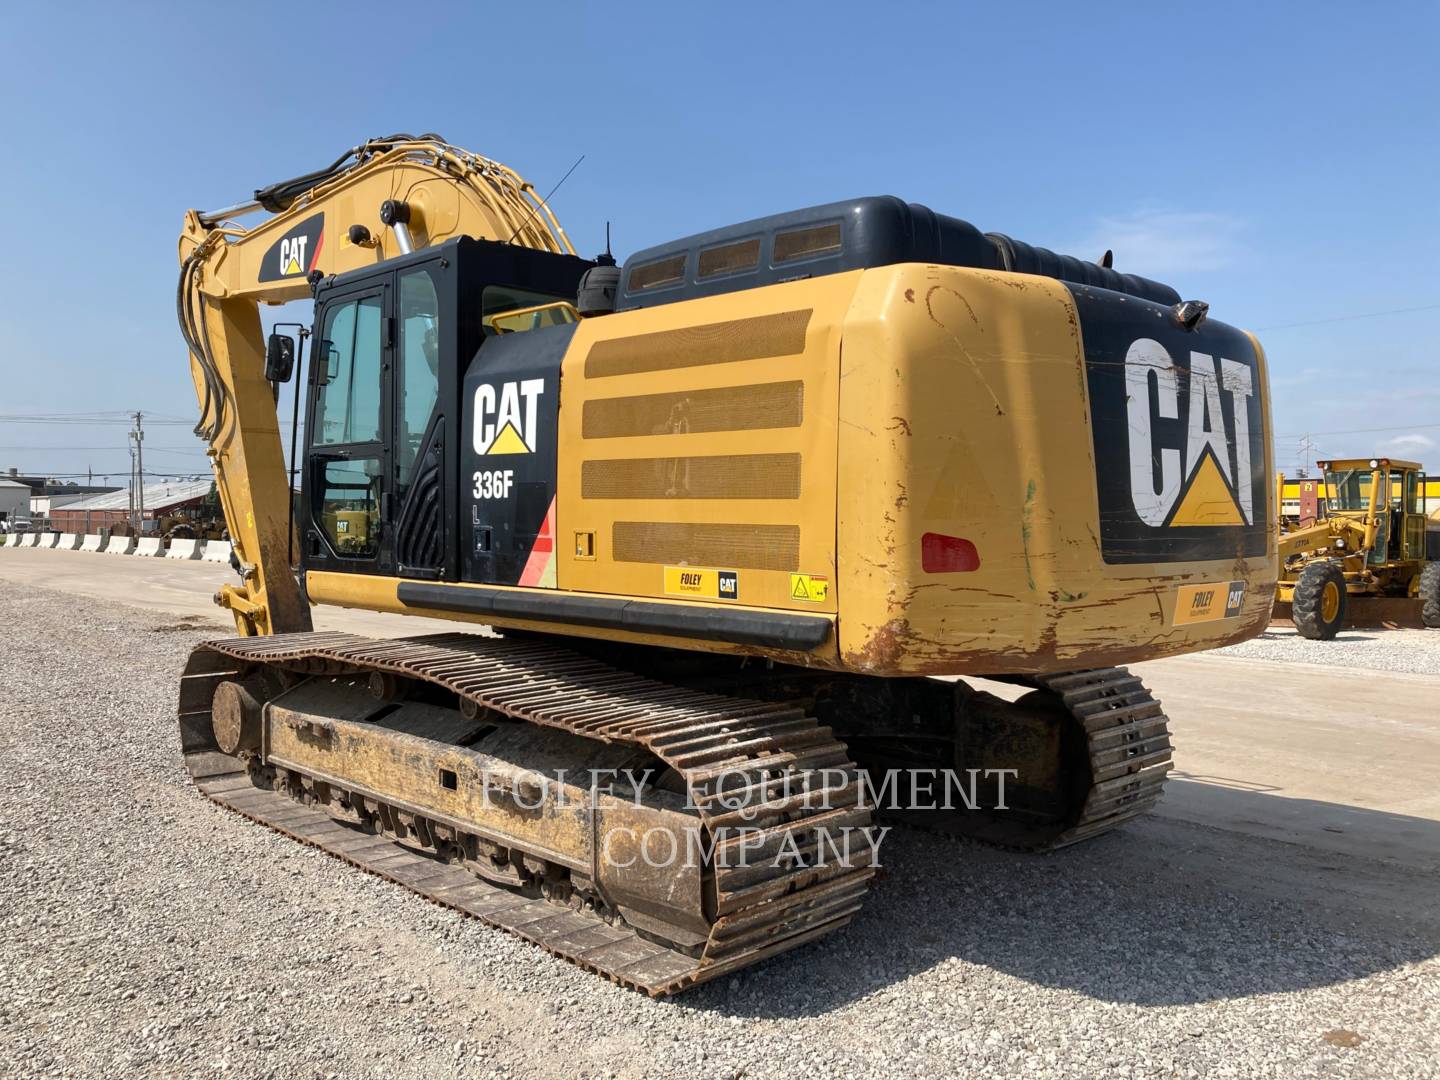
1374 556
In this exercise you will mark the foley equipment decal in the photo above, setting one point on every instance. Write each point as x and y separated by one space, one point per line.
1208 603
702 584
1178 431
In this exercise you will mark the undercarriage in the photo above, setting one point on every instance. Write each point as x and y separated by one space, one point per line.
659 818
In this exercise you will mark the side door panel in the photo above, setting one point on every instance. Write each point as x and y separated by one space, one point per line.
511 412
421 497
347 450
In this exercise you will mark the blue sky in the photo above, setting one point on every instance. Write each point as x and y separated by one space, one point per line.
1279 161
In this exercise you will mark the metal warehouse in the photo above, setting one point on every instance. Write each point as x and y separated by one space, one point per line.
180 498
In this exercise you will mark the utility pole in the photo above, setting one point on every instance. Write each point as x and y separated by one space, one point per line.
138 438
1307 451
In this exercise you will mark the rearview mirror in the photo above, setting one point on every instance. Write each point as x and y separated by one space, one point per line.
279 358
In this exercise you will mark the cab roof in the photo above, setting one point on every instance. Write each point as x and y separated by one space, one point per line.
1364 463
877 230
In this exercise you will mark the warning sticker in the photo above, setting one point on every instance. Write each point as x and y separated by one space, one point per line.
1208 603
810 588
698 582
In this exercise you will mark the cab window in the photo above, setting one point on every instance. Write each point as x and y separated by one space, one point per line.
347 408
1348 489
418 384
498 299
350 507
1412 493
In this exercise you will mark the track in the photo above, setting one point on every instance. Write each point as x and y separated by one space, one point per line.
1088 752
1127 737
747 764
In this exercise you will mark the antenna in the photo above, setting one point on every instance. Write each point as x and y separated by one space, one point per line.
546 200
607 259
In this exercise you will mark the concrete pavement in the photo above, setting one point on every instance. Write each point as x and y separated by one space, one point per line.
182 588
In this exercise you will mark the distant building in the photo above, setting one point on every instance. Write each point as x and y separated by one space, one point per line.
14 500
179 498
44 485
42 506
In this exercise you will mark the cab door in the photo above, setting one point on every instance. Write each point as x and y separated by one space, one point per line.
1411 506
348 466
418 491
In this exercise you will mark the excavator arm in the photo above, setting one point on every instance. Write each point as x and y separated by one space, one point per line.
381 199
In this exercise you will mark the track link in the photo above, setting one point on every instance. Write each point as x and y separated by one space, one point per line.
1114 755
1127 735
747 764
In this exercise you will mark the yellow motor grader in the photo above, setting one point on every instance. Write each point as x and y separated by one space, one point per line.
1366 547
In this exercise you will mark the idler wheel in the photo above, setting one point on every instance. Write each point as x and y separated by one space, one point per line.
235 717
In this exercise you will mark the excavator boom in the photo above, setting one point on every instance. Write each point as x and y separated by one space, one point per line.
380 200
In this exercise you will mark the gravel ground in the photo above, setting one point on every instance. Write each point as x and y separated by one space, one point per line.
1413 651
146 932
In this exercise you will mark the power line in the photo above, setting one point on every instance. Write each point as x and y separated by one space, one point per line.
97 419
1349 318
177 475
1361 431
77 449
123 414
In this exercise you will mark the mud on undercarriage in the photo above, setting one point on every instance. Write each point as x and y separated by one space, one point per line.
727 828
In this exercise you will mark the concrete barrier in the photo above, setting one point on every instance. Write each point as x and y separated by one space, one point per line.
152 547
120 545
28 539
185 549
217 551
92 542
68 541
47 539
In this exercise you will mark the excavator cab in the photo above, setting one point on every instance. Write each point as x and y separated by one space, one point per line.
393 344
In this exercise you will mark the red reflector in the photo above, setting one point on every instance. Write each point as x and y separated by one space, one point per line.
947 554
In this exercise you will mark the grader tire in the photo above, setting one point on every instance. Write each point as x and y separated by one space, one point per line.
1318 607
1430 595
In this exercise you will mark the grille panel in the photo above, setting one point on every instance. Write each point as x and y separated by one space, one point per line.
732 547
782 334
719 476
653 275
806 243
729 408
741 255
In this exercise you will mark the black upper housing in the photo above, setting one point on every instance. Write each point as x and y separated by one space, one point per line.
873 231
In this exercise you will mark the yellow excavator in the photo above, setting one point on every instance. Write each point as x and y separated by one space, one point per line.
723 521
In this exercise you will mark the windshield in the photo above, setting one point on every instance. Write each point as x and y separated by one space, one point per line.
1348 489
